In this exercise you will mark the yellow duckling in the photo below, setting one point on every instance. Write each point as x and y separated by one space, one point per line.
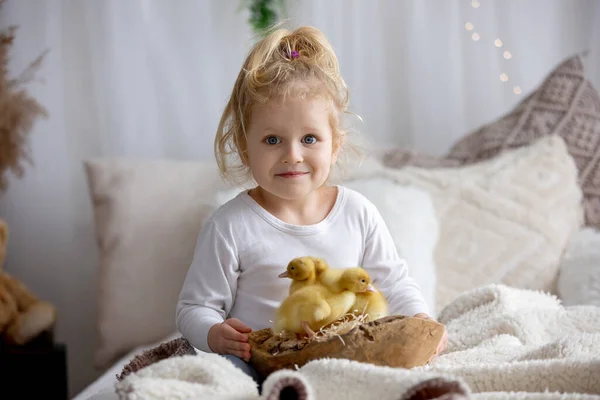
371 303
312 307
304 271
331 277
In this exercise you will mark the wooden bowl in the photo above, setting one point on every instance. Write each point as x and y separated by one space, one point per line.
394 341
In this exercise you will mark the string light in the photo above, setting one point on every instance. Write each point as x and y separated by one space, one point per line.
497 43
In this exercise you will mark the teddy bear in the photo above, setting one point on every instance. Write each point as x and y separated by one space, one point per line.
23 316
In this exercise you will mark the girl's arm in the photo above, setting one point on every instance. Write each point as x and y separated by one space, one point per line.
208 291
389 272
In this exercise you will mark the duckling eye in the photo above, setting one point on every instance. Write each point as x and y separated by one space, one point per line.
292 268
363 281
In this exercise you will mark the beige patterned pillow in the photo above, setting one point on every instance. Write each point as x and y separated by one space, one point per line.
507 219
565 104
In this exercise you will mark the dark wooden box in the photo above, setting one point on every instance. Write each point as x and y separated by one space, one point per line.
35 370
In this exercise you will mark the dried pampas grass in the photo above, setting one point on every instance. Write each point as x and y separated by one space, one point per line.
18 111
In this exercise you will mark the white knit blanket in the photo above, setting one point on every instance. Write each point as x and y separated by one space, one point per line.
504 343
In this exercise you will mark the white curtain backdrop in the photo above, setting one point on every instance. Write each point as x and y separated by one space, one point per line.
149 79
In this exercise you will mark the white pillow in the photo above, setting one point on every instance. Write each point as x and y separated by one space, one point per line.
579 274
411 219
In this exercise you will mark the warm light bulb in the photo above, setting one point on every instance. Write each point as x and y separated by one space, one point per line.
498 43
469 26
475 36
517 90
503 77
507 55
475 4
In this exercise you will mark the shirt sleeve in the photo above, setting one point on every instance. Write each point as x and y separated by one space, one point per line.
207 294
389 273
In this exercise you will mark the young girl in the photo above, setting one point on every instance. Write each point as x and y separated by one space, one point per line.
282 128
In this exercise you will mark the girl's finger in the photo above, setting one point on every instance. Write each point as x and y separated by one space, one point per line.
238 325
230 333
234 345
243 353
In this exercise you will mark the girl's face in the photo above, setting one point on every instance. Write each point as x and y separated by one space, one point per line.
290 146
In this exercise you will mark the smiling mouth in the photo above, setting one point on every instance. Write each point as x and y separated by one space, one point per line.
292 174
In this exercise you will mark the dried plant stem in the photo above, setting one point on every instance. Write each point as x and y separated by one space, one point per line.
18 111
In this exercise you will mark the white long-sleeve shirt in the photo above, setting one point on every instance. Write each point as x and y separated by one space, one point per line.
242 248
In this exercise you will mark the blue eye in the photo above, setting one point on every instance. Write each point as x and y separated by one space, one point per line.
310 139
272 140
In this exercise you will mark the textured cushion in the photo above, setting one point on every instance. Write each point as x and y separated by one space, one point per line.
579 275
503 220
413 224
565 104
147 218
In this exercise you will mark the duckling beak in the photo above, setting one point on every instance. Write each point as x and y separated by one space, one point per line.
284 275
371 289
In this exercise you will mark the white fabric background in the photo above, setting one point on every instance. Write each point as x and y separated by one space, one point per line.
149 78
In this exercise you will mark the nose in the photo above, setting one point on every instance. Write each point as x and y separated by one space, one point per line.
293 154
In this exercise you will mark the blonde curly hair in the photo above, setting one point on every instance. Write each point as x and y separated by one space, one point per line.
284 63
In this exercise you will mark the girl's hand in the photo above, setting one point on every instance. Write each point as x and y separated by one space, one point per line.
443 343
230 337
